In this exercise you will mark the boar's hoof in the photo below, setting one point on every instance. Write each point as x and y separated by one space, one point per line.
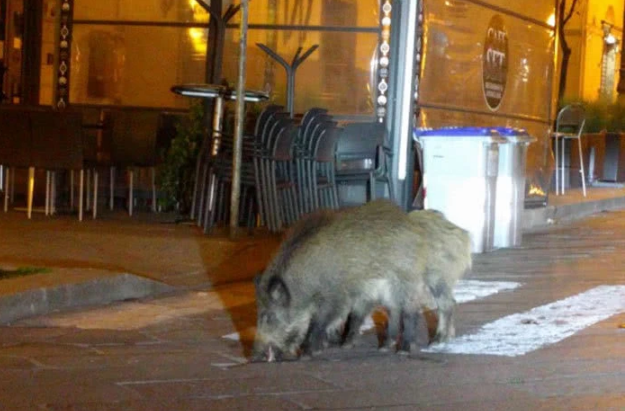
407 347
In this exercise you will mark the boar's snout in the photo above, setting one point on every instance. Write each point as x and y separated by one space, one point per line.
268 353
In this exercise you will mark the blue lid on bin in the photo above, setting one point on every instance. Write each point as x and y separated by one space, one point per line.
455 132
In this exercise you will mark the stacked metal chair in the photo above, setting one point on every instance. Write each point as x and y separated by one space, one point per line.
288 169
312 150
324 190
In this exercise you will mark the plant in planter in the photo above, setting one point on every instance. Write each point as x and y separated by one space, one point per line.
605 123
176 174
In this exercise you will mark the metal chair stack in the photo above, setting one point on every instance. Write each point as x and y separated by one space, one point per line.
288 170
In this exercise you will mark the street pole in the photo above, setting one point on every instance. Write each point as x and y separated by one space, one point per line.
400 120
235 194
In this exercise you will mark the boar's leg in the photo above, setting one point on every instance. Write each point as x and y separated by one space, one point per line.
313 343
445 304
409 320
317 335
393 327
360 310
354 322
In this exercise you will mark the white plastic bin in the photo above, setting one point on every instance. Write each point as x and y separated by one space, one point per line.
460 167
511 187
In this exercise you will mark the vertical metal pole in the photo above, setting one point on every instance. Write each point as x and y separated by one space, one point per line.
401 94
240 115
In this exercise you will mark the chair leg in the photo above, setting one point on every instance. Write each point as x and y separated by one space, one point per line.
131 200
71 190
112 188
581 165
153 171
47 202
372 187
201 194
31 188
81 187
7 179
557 165
206 213
53 193
391 191
562 165
95 194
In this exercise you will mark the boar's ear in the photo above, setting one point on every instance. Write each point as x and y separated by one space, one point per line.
278 292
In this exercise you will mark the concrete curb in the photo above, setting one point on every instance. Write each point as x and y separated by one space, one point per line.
539 217
94 291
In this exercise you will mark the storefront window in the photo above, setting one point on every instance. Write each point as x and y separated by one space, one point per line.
130 52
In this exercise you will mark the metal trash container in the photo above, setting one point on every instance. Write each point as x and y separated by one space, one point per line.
510 200
460 167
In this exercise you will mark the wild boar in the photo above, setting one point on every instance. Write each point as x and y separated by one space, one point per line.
335 266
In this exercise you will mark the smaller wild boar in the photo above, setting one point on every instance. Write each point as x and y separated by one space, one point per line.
334 266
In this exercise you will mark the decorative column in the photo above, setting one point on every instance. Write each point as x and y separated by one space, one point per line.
383 60
620 88
65 42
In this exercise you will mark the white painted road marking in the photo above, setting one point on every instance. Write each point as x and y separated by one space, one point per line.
469 290
521 333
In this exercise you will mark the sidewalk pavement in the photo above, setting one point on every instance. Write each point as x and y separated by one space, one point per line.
187 350
118 257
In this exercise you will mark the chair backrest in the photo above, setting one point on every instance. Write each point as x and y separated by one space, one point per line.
15 137
57 139
283 147
264 116
134 137
274 131
312 130
326 145
571 119
317 133
264 138
311 114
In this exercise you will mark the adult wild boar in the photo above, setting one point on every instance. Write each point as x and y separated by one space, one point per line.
338 265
